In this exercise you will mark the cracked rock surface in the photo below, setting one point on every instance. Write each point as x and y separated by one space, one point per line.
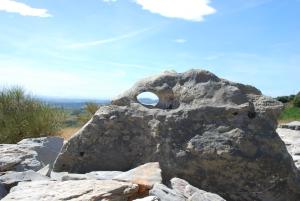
83 190
218 135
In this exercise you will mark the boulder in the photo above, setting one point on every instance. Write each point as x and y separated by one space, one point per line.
218 135
291 139
73 190
29 154
11 179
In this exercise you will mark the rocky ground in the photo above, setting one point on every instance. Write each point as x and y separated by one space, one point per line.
290 134
25 176
207 139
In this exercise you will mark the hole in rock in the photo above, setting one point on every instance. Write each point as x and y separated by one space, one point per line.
235 113
251 115
148 99
81 154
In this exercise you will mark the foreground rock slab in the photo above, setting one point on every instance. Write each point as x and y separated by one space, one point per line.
291 139
192 193
11 179
85 190
149 198
182 191
218 135
145 175
29 154
295 125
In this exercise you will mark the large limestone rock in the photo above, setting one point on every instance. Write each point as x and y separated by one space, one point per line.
218 135
29 154
85 190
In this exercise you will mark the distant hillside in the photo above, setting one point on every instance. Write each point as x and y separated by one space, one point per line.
72 103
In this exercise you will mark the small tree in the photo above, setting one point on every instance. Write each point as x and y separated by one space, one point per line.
22 116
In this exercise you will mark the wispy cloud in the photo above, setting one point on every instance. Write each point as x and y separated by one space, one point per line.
180 40
22 9
193 10
108 40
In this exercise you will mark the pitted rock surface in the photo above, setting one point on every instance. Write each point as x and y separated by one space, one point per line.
218 135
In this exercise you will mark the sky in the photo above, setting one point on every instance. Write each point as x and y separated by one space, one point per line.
99 48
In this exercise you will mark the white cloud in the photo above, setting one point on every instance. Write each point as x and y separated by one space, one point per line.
22 9
180 40
108 40
193 10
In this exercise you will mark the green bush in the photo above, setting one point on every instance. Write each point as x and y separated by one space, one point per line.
90 109
296 101
22 116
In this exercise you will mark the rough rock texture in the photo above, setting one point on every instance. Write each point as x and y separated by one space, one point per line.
99 175
291 139
11 179
3 191
149 198
182 191
295 125
166 194
192 193
218 135
145 175
29 154
86 190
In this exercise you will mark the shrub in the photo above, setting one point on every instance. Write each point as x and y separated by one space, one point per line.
296 101
22 116
90 109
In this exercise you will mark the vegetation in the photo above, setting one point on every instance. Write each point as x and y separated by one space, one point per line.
286 99
296 101
291 111
22 116
76 118
90 109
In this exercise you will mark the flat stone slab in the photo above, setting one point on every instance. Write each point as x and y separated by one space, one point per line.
29 154
145 175
295 125
85 190
98 175
181 190
11 179
291 139
3 191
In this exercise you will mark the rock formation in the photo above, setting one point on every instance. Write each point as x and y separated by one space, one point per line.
29 154
295 125
218 135
291 138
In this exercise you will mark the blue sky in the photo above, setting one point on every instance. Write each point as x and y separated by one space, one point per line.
99 48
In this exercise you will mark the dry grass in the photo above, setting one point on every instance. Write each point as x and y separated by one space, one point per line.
68 132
